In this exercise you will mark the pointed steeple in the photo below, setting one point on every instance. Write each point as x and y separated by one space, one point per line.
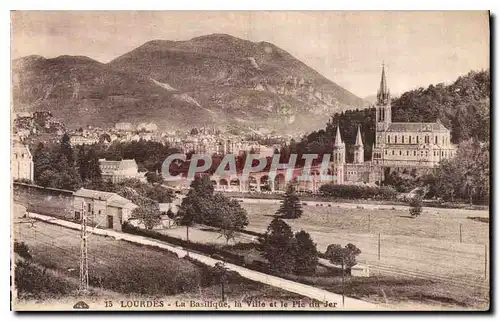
338 139
359 139
383 92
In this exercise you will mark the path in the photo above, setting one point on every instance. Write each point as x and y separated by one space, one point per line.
302 289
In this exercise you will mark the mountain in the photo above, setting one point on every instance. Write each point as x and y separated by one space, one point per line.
215 80
372 99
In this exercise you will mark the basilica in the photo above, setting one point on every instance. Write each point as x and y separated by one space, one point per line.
398 146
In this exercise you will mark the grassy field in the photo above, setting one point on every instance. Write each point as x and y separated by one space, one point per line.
122 268
428 246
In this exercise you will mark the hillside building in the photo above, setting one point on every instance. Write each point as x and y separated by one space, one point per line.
103 209
117 171
407 145
21 162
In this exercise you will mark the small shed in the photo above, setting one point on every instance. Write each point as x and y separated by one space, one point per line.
360 270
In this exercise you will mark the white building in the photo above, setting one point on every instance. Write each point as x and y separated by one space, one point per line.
21 162
117 171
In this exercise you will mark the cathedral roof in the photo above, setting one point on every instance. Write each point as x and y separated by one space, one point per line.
417 127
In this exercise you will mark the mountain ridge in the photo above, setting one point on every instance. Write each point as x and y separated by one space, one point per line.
217 79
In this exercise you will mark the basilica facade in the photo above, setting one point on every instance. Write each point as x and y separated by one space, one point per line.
398 146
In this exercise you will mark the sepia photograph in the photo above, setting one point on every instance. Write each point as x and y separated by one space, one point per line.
250 161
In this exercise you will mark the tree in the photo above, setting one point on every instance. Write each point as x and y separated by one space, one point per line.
221 273
195 206
345 257
154 177
291 207
42 161
227 215
415 206
82 162
94 169
465 176
306 255
278 246
148 213
65 148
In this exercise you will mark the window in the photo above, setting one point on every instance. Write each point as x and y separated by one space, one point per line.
99 212
395 139
393 152
77 216
388 139
436 140
386 151
417 140
403 139
400 153
442 153
89 207
409 139
407 153
414 153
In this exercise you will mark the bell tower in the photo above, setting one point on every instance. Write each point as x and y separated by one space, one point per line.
383 106
338 158
359 152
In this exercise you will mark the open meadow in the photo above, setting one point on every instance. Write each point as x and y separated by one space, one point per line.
427 247
120 268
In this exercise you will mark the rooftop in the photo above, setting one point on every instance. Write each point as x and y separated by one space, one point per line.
417 127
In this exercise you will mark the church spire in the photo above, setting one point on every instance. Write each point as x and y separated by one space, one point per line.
383 91
338 139
359 139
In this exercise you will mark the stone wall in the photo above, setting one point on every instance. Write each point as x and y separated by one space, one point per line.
47 201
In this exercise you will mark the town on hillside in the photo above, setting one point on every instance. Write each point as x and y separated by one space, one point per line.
385 206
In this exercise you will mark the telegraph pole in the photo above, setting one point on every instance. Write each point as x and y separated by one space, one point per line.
379 246
84 263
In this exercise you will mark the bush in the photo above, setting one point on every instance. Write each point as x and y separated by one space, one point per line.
358 192
33 281
22 249
415 206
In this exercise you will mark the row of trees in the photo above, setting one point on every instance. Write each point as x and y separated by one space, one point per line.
55 167
61 166
464 177
358 191
296 253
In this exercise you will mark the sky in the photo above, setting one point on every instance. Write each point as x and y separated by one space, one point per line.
418 47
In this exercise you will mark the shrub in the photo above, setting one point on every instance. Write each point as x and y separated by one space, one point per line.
22 249
415 206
